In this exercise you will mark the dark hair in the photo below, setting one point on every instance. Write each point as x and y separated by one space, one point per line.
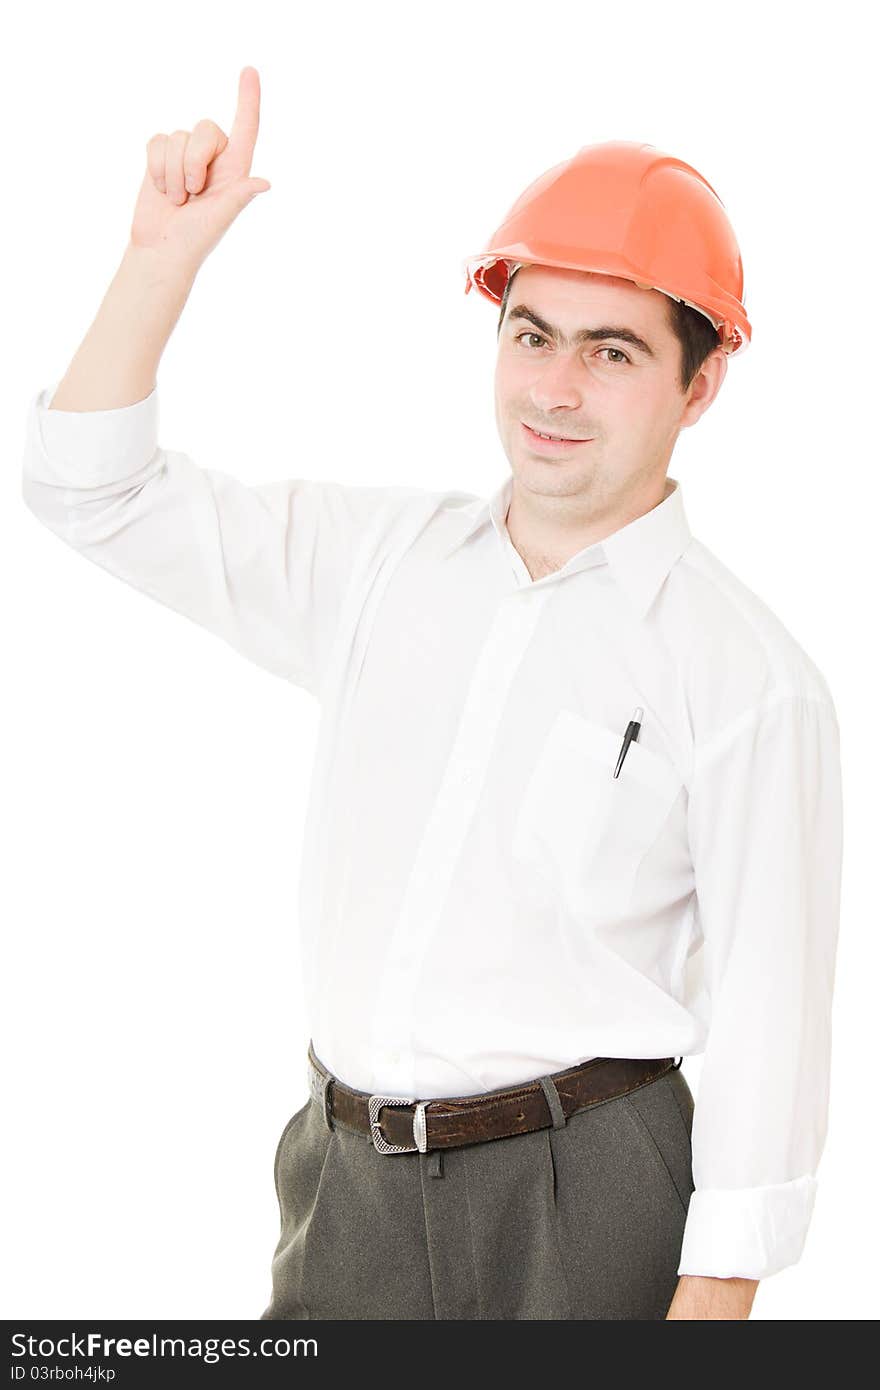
696 335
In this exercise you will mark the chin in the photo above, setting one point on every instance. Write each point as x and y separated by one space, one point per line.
561 467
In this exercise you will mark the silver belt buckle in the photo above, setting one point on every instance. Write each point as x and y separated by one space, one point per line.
420 1130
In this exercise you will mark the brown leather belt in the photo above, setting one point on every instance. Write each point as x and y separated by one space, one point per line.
403 1124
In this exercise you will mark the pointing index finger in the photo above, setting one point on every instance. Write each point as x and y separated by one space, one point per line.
243 136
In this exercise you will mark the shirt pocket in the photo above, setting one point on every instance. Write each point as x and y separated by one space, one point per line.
583 830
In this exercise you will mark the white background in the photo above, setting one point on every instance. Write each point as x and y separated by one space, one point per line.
154 782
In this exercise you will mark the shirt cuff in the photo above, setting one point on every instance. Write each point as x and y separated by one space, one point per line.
87 448
747 1233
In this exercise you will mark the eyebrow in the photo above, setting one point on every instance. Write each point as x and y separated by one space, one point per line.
585 335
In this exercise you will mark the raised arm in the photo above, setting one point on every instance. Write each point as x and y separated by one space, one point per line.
264 566
196 183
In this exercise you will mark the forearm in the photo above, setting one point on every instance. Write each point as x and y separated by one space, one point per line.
699 1296
117 361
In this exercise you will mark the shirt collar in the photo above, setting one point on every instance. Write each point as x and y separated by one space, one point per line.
640 554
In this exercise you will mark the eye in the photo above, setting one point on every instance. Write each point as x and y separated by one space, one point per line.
528 334
617 350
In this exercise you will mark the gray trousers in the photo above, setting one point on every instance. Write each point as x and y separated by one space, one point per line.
582 1220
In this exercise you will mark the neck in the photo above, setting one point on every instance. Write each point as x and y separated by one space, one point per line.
548 531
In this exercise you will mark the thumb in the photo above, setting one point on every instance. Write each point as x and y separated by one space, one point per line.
246 190
258 186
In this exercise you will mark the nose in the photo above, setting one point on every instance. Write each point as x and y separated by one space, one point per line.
556 384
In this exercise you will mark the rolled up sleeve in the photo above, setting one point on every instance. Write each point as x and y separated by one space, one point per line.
765 826
263 566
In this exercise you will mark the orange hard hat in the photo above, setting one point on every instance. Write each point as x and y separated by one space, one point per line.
626 209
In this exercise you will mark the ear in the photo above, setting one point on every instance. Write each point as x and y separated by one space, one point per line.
704 387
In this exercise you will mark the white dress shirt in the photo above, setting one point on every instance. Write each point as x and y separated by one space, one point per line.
481 901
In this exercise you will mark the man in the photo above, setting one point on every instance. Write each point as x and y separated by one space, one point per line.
575 810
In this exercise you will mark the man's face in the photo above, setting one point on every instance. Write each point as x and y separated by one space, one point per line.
624 398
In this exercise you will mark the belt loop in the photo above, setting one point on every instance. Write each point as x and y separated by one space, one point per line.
554 1103
319 1085
325 1099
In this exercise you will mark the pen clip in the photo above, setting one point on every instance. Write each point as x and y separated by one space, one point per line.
627 740
632 731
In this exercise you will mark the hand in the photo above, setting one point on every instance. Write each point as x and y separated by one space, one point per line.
197 182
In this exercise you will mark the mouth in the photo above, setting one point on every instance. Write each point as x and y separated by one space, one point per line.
553 444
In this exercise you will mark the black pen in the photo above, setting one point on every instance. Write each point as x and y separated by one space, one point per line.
632 731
